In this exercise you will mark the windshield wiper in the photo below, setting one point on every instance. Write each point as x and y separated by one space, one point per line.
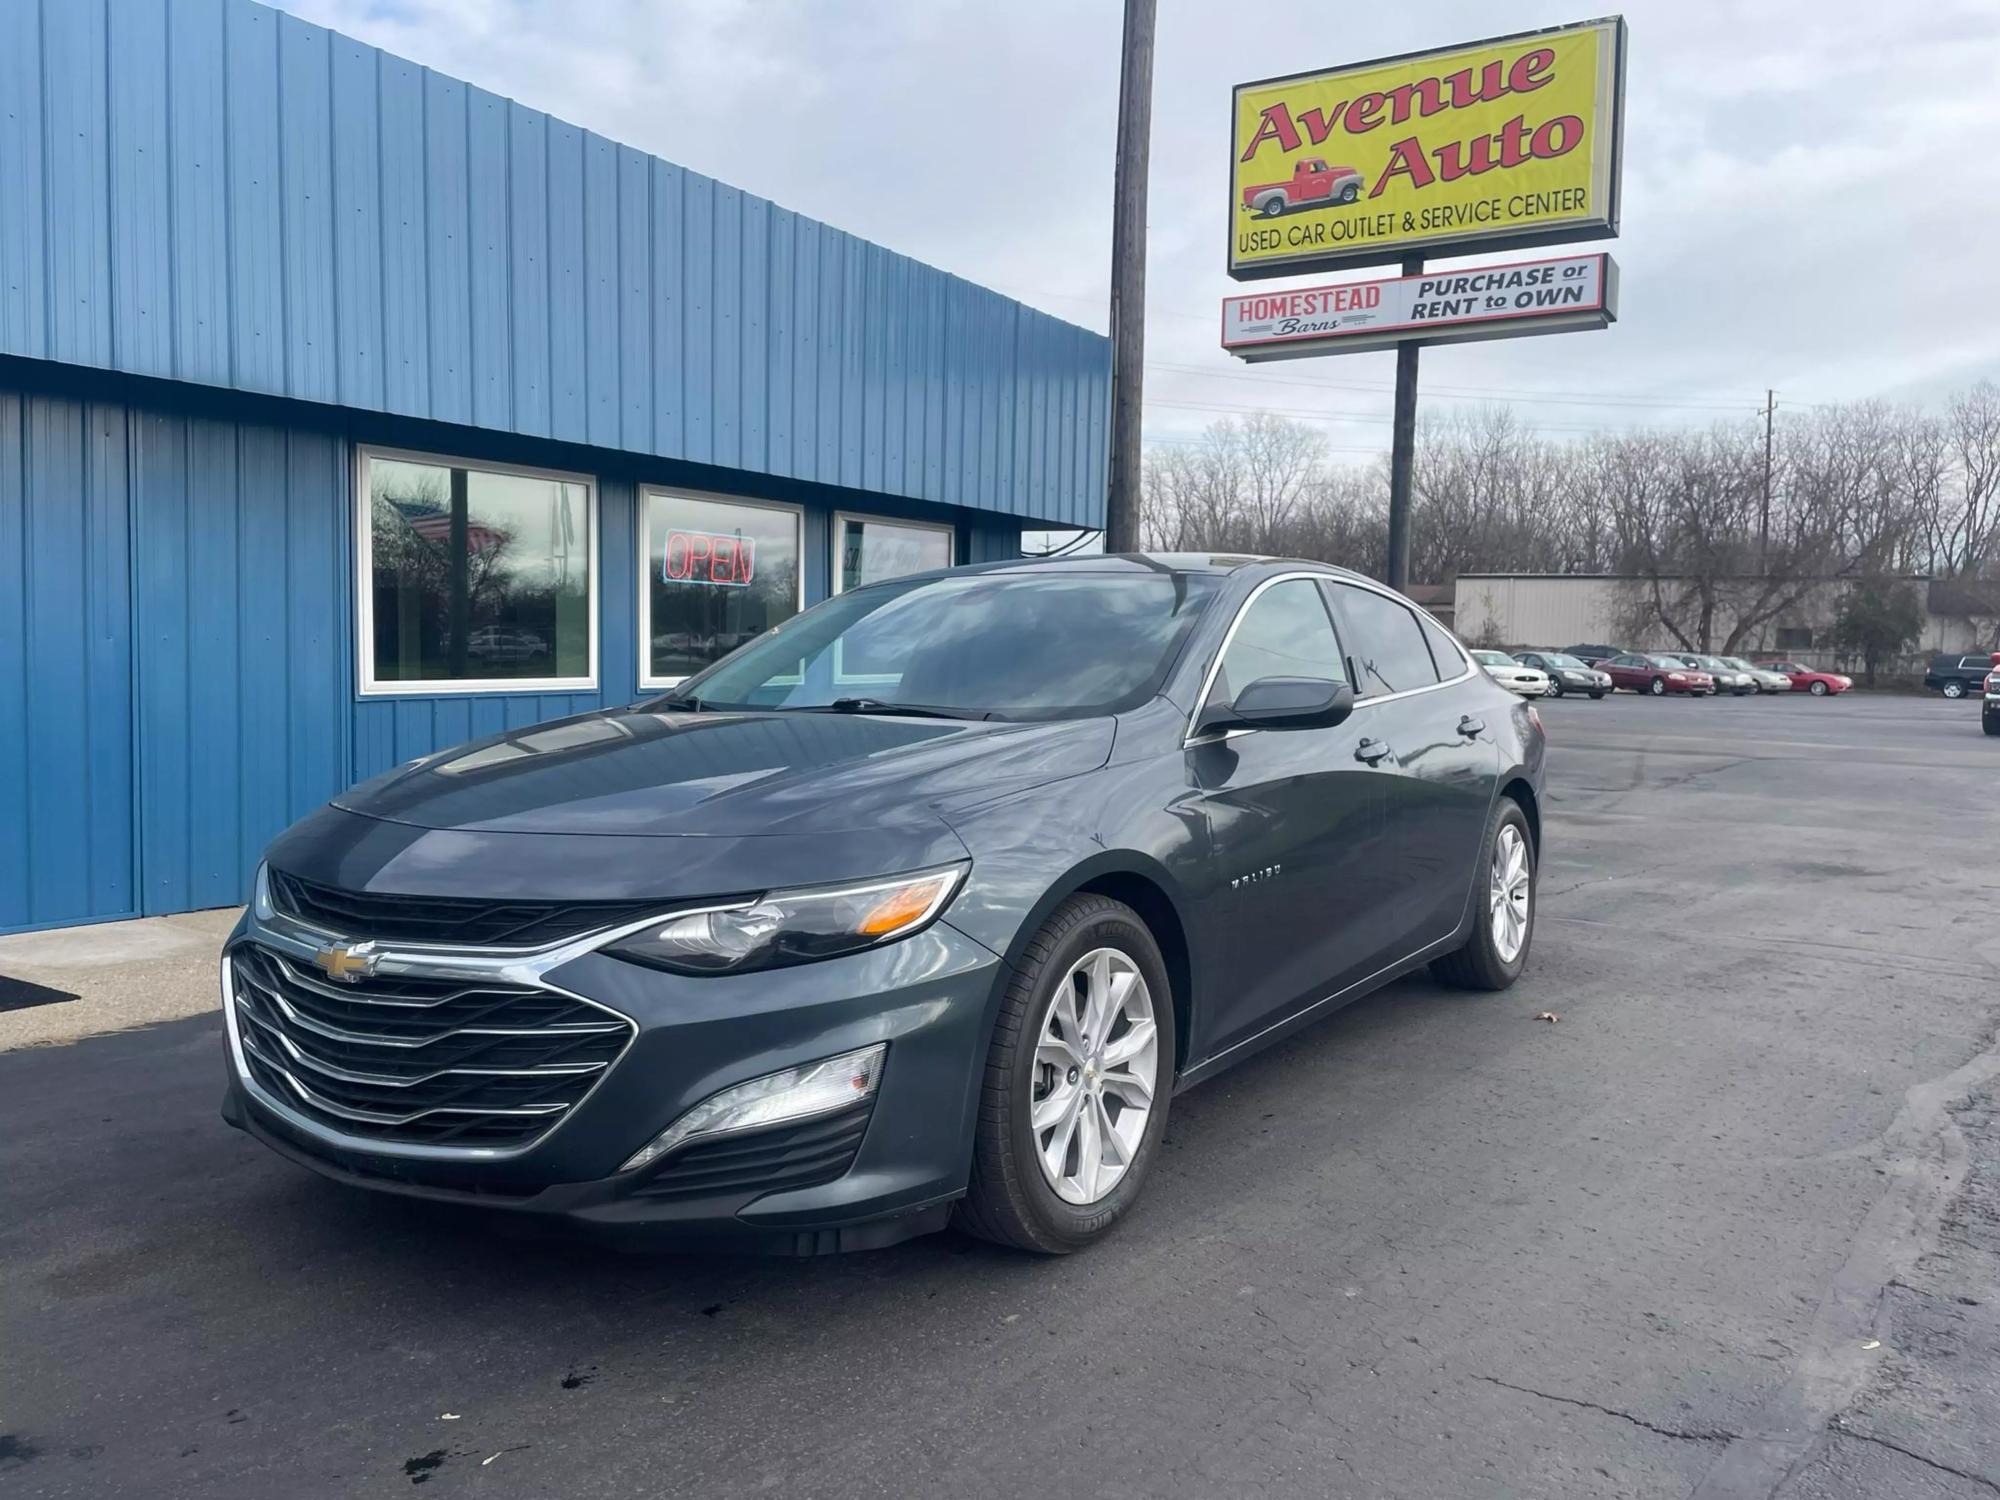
905 710
688 701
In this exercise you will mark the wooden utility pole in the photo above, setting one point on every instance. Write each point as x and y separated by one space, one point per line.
1128 276
1764 505
1403 450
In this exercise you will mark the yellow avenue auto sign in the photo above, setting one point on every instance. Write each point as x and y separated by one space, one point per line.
1508 142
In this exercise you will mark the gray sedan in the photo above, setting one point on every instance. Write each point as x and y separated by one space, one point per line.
1567 674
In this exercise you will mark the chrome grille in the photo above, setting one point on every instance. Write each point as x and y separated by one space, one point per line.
417 1060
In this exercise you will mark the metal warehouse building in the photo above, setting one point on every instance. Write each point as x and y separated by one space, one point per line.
348 411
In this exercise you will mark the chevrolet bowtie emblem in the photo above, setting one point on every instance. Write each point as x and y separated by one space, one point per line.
349 963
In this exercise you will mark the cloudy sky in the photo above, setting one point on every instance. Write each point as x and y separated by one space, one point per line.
1812 186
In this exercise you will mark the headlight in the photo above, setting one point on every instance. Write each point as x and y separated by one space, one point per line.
792 927
1677 677
260 893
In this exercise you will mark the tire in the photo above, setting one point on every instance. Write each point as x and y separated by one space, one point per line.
1555 688
1009 1199
1658 687
1349 193
1951 689
1818 689
1482 963
1990 723
1271 207
1596 693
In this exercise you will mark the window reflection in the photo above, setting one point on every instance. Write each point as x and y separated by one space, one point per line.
718 573
477 575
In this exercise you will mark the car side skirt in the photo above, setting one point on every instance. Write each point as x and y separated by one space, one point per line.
1318 1010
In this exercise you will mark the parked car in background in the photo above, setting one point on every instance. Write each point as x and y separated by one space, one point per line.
1957 676
1511 675
1657 675
1989 711
771 963
1567 674
1767 681
1806 679
1738 681
1593 655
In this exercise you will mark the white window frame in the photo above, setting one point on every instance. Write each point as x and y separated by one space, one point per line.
647 681
842 517
841 676
364 582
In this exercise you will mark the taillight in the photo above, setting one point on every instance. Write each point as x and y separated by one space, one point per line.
1535 717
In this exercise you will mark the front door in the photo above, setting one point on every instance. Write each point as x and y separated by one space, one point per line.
1297 819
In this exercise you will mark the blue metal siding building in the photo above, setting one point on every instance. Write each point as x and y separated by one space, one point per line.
237 249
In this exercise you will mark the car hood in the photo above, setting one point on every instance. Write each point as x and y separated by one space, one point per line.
628 804
631 772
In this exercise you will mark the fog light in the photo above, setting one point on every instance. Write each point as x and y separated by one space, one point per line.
775 1099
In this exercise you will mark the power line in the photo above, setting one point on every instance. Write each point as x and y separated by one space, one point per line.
1463 393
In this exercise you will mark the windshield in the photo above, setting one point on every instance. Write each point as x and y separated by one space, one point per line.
1558 659
1494 659
1738 664
1033 645
1679 664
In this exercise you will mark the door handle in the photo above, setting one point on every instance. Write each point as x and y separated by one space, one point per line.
1372 751
1471 728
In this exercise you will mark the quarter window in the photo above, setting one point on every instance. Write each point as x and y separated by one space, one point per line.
1387 645
1284 633
1445 655
718 573
475 577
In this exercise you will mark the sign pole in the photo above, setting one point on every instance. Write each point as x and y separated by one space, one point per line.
1128 276
1402 452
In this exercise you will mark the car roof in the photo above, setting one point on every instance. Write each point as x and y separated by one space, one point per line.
1218 563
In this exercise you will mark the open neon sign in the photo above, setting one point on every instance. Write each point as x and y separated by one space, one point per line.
726 559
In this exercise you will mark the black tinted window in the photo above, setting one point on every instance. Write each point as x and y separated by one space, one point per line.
1385 643
1444 650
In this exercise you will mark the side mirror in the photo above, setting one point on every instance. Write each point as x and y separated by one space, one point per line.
1282 703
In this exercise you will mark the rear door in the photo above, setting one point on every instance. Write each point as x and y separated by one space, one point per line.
1423 697
1297 818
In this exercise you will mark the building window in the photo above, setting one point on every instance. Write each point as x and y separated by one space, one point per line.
718 573
1794 638
868 549
475 577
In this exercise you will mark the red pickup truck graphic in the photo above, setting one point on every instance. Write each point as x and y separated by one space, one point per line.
1312 181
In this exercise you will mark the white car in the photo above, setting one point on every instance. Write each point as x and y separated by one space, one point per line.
1511 675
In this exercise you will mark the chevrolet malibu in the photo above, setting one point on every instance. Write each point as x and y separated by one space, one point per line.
921 907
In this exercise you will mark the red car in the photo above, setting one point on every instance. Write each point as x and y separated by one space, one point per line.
1644 672
1312 181
1807 680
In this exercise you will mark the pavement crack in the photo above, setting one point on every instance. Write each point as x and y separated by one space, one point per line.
1680 1434
1930 1463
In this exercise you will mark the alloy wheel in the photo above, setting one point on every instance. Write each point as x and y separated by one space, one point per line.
1096 1069
1510 893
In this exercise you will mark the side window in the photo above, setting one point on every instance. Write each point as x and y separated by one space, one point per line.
1286 632
1387 646
1446 656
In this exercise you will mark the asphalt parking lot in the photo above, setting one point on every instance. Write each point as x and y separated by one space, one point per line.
1729 1227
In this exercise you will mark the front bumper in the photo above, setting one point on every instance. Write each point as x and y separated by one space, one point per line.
928 997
